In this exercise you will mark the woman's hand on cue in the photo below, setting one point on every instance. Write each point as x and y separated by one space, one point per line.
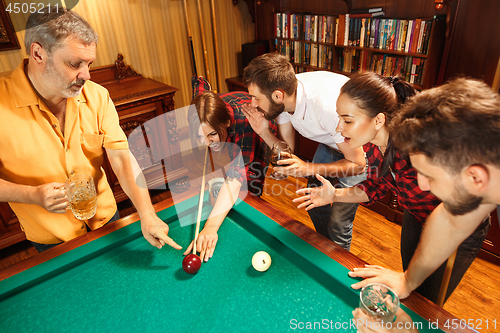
207 240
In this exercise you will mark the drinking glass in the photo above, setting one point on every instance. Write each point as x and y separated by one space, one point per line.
379 302
214 186
82 197
280 151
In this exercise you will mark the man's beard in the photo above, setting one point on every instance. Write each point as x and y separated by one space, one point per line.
51 74
464 202
275 109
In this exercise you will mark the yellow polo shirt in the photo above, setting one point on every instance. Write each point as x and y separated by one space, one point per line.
33 151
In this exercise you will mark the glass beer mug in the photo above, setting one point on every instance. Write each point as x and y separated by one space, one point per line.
82 196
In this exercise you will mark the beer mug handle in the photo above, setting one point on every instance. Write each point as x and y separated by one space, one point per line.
65 192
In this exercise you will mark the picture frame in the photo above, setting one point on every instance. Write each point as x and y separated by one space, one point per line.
8 38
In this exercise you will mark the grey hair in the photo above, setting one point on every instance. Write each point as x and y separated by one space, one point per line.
52 25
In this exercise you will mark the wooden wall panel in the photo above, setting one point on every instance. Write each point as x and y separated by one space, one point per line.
475 45
152 36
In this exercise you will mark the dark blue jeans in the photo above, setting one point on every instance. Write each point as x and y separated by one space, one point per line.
44 247
467 252
334 221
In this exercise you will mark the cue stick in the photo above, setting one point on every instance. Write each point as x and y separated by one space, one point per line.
216 45
446 279
193 60
211 160
203 43
496 79
200 203
228 189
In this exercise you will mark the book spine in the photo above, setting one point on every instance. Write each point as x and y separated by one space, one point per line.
340 31
392 33
367 32
416 34
357 34
400 36
324 23
408 36
346 31
320 29
314 28
351 31
428 27
362 33
420 35
373 33
386 35
396 35
413 70
307 31
377 33
336 30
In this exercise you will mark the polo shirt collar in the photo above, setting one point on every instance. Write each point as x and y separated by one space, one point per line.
23 93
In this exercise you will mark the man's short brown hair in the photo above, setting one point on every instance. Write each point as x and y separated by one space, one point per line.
455 125
270 72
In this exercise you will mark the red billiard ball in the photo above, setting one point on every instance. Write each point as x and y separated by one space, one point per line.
191 263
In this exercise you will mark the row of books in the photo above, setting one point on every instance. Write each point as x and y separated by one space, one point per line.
316 28
410 36
409 68
306 53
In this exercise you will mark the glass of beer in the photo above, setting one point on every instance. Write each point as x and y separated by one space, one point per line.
82 196
280 151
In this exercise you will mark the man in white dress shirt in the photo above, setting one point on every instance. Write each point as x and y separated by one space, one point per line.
306 103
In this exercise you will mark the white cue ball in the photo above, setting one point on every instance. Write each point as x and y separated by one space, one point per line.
261 261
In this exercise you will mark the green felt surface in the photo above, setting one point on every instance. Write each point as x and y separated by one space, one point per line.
120 283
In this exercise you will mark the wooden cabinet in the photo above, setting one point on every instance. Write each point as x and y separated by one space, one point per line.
137 100
10 229
473 47
155 144
491 245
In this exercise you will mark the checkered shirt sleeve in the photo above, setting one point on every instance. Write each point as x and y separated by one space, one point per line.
402 181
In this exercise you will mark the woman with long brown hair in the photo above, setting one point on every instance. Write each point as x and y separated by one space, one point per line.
219 122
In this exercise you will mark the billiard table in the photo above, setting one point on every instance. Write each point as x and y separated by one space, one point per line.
113 280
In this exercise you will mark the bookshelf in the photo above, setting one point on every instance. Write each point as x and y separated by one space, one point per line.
267 25
350 43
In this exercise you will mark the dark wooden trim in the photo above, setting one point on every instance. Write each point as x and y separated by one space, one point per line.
489 256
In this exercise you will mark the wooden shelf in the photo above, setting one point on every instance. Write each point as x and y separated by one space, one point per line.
404 54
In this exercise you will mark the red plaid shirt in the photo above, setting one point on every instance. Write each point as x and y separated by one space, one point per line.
254 150
402 181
